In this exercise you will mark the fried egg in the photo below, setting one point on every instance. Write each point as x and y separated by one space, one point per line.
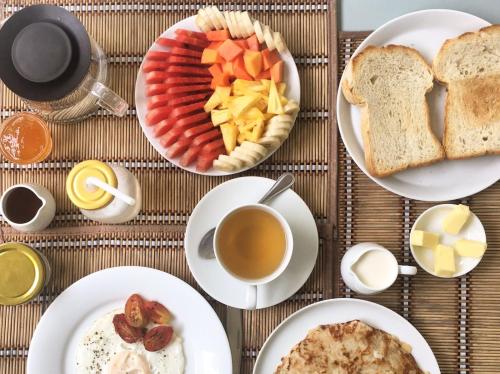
102 351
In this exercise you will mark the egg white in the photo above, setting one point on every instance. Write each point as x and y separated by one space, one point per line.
101 343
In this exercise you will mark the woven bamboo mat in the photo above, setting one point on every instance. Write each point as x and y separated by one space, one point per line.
76 246
459 318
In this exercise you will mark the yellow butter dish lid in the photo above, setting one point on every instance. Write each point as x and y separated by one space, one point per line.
86 196
22 274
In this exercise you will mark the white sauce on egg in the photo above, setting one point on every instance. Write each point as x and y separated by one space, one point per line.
101 345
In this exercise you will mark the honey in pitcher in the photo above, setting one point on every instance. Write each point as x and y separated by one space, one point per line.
25 139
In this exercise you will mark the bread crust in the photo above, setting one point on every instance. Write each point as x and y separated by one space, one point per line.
449 42
347 85
477 84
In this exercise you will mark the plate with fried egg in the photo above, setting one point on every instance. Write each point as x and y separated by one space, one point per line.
129 320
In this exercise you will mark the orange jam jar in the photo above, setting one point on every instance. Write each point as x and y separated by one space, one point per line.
25 139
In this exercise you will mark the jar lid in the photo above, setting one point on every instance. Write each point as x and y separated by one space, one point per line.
44 53
86 196
22 273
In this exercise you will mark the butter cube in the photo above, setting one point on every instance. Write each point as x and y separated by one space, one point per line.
454 221
444 263
469 248
424 239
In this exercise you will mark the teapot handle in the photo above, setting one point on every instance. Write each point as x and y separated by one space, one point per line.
109 100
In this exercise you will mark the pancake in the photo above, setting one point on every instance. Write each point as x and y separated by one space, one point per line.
349 348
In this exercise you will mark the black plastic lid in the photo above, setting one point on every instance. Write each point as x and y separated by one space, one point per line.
44 53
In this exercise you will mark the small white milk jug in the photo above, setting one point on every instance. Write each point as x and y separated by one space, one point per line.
104 193
369 268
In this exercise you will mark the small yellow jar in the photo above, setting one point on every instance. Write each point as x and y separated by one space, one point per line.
24 272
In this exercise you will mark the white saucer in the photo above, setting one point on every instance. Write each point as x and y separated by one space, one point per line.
214 205
432 220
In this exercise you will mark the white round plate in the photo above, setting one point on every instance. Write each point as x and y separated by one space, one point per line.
293 329
227 196
68 318
291 77
425 31
432 220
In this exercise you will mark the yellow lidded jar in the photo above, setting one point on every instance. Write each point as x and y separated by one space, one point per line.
23 273
85 196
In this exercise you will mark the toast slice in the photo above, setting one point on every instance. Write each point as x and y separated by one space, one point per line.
389 84
469 66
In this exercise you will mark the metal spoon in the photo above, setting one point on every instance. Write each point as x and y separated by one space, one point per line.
283 183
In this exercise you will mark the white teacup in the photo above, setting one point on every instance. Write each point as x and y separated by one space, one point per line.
251 293
381 268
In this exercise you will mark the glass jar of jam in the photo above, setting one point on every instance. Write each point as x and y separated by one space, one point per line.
24 272
25 138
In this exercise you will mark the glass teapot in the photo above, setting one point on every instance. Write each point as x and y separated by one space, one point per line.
48 59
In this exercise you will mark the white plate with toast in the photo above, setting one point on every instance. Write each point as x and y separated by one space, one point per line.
293 329
425 31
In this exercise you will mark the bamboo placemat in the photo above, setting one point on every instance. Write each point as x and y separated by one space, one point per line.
76 246
460 317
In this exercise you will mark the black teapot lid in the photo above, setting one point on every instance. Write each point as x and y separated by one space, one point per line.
44 53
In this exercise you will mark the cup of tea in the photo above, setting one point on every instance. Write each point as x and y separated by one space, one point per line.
28 207
253 244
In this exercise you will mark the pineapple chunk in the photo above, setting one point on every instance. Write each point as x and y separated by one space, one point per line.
274 103
213 102
268 116
240 86
253 114
262 104
229 136
281 88
266 83
223 92
220 116
241 103
257 131
242 136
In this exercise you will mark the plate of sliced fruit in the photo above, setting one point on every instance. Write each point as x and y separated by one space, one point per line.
217 93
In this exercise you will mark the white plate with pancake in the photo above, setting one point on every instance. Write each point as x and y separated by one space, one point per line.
447 180
293 329
61 329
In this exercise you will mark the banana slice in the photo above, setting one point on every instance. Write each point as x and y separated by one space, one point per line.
254 147
227 16
203 14
259 33
281 118
200 22
247 23
236 163
256 156
223 165
268 37
276 133
280 125
279 42
243 157
292 107
270 141
236 24
241 27
219 16
213 18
